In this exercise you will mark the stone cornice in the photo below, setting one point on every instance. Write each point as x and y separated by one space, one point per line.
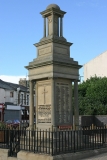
53 63
46 41
52 10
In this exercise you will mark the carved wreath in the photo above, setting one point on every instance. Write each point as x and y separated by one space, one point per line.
50 19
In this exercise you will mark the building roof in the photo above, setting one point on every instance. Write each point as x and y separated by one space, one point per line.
12 86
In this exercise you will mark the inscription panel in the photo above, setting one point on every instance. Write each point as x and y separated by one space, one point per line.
44 114
44 51
44 103
61 50
63 102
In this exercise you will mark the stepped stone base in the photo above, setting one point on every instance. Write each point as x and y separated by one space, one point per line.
22 155
71 156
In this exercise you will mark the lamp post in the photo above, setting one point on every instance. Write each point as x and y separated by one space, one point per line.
18 95
18 103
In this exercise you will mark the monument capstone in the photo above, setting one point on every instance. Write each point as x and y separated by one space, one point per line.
53 72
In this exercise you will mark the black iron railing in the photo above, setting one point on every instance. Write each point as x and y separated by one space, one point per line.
52 142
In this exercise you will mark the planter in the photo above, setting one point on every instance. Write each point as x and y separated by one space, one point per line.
2 136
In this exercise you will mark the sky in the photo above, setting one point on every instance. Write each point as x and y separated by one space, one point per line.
21 25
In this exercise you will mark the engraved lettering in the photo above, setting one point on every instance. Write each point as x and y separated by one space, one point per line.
44 51
62 102
44 114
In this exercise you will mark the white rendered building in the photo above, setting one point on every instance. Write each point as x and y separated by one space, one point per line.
97 66
13 97
13 93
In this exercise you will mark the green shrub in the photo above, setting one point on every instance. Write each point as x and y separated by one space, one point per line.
2 125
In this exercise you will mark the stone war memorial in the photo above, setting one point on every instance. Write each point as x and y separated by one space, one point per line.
56 135
51 75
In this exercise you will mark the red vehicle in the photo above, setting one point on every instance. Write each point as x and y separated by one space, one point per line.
13 124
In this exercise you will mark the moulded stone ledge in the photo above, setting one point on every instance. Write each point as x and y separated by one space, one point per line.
22 155
32 156
70 156
4 154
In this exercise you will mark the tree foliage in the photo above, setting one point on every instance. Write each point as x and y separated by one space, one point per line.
92 96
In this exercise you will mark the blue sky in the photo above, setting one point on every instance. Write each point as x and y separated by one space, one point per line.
21 25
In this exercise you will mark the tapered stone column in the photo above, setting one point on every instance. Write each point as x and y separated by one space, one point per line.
61 27
52 24
76 109
58 28
47 27
52 99
71 105
44 27
31 115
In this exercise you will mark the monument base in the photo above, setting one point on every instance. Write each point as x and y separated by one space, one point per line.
52 142
22 155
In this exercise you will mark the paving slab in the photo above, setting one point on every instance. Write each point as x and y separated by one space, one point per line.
102 156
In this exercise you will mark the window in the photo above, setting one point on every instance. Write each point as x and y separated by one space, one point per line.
11 94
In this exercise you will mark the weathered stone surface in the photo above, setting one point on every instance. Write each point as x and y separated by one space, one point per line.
22 155
53 6
44 102
70 156
53 71
4 154
63 102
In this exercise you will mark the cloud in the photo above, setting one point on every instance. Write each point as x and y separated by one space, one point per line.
12 79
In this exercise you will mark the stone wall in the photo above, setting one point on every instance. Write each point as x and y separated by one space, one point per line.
70 156
4 155
97 120
22 155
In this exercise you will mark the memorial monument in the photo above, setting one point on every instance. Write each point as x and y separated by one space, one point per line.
53 72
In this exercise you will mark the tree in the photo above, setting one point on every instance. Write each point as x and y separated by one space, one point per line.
92 96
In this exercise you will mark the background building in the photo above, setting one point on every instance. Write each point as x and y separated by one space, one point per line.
14 98
97 66
11 93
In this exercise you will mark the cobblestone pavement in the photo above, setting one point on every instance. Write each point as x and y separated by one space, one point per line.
102 156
